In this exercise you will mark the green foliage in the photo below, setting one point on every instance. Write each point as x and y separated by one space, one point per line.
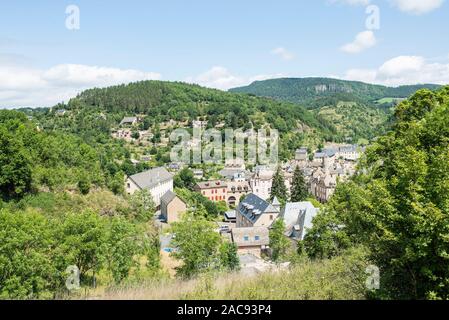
399 207
356 110
142 206
339 278
356 120
278 188
197 246
31 160
200 205
84 185
27 267
95 112
124 243
82 240
299 190
279 243
311 91
326 238
40 237
15 158
185 179
229 257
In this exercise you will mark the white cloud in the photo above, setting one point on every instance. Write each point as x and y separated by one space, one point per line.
417 6
87 76
363 40
22 85
403 70
283 53
221 78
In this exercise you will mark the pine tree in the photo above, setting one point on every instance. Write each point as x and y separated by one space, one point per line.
299 190
278 188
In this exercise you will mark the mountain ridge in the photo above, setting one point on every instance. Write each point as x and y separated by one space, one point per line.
310 90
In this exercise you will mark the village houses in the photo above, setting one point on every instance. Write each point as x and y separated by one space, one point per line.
158 181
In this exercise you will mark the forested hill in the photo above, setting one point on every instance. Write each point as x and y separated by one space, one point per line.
163 101
357 110
318 92
180 101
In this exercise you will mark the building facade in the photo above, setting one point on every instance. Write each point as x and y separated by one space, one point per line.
253 240
158 181
253 211
236 190
261 182
172 207
213 190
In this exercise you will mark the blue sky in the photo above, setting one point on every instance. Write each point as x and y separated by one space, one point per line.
218 44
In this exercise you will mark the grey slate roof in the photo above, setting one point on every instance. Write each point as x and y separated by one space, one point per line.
252 207
351 148
298 218
128 120
168 197
229 173
327 152
151 178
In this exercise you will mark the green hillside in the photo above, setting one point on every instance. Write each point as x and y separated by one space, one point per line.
317 92
94 113
357 110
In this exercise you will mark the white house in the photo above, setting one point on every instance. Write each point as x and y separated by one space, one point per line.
261 182
158 181
351 152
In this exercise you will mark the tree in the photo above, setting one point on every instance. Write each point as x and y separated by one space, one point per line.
299 190
197 246
122 248
185 179
84 185
278 188
27 263
142 206
15 164
397 207
229 257
279 243
82 239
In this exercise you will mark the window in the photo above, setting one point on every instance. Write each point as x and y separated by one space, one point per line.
271 217
129 185
257 238
246 238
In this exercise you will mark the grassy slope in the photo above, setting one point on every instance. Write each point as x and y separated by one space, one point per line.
340 278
